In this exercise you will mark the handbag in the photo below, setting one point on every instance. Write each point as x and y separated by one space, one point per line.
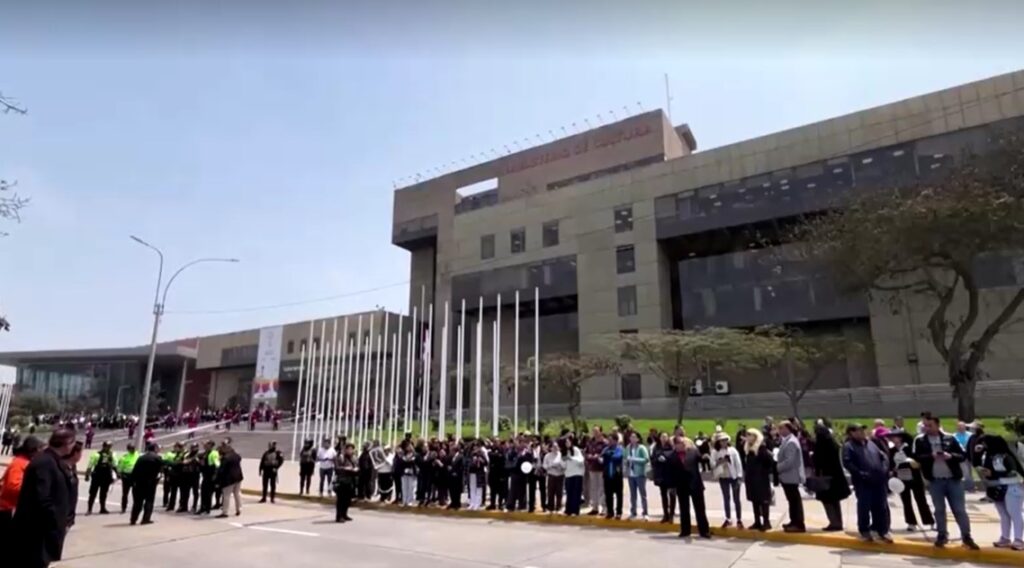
819 484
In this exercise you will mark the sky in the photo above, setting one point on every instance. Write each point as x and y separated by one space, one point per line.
274 132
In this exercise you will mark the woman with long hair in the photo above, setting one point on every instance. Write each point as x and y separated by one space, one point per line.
758 476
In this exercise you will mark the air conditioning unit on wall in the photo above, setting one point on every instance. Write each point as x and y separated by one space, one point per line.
696 389
722 387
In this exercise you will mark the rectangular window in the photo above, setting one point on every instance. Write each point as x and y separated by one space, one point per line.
624 219
627 301
517 240
291 347
631 389
487 247
302 344
625 259
550 233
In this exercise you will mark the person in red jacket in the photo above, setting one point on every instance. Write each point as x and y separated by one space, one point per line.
10 483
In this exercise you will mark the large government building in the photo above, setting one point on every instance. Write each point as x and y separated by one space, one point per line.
628 227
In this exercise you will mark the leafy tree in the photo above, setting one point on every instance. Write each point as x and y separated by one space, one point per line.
568 372
925 239
31 404
796 360
681 357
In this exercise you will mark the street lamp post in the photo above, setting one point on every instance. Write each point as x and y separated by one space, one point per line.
159 302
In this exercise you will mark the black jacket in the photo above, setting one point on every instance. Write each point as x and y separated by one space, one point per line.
147 469
827 464
659 464
683 472
43 512
759 475
923 455
270 462
230 471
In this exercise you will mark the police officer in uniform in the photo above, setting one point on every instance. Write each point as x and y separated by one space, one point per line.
100 474
209 462
269 464
172 472
125 465
188 482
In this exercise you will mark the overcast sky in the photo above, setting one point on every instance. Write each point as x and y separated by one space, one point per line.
273 132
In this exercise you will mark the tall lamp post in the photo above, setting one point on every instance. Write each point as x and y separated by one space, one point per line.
159 302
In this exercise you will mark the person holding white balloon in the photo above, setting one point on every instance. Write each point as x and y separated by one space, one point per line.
869 471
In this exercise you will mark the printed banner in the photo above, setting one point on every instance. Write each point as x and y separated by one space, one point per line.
268 366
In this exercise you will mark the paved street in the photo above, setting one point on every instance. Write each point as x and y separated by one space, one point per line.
303 535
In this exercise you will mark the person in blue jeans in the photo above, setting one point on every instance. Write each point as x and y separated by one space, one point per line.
940 456
1004 481
869 471
611 470
638 459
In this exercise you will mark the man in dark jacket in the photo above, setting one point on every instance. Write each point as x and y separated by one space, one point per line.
145 477
229 478
496 480
683 471
44 506
269 464
188 484
940 456
869 471
364 488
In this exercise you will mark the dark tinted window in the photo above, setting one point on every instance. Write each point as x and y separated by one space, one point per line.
487 247
625 259
631 389
624 219
550 236
627 301
291 347
517 240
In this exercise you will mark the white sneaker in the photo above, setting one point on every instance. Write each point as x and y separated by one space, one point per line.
646 518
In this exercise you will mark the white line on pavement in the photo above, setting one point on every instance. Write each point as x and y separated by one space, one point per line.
272 529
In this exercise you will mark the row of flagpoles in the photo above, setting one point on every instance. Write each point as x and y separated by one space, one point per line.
6 393
350 386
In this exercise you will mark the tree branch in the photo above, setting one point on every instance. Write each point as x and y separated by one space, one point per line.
937 325
8 105
980 347
957 341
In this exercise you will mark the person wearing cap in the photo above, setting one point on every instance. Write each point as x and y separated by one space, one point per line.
125 465
869 470
906 469
188 482
728 470
100 473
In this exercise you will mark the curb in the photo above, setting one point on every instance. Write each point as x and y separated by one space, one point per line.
844 541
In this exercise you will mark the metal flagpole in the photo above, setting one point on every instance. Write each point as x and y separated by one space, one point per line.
479 367
298 399
382 383
390 434
515 376
354 380
332 377
494 378
340 410
406 412
428 370
536 359
497 364
396 386
324 348
367 370
443 395
310 359
458 383
411 369
352 362
382 340
462 369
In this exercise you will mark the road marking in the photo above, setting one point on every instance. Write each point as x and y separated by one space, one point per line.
272 529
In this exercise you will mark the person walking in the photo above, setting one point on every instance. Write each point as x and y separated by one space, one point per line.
660 454
759 474
611 461
10 486
554 466
325 457
906 469
638 461
307 466
790 465
145 478
229 478
869 470
44 507
270 462
1004 480
346 470
829 482
575 469
99 474
940 456
684 469
728 470
125 466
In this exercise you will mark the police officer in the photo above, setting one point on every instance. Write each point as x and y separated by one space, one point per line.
100 474
188 483
125 465
209 462
172 474
269 464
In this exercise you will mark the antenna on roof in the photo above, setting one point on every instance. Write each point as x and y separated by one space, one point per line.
587 121
600 119
612 112
668 100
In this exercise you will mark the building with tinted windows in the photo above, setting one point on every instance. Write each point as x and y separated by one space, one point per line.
628 227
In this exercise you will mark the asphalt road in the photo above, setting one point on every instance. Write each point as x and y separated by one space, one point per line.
304 535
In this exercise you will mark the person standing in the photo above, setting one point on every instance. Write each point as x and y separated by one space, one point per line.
125 465
189 481
455 469
830 479
270 462
595 472
325 457
684 470
229 478
10 486
44 506
1004 477
364 489
307 466
638 460
907 470
575 469
611 461
758 474
172 474
728 470
384 465
476 471
99 474
408 464
940 456
660 455
209 464
145 478
6 441
554 466
790 465
869 470
497 478
347 471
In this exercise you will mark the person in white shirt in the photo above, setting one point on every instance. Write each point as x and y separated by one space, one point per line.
728 470
325 461
575 467
554 466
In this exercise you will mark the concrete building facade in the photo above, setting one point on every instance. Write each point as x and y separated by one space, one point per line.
627 227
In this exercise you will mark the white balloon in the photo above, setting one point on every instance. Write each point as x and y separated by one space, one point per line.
526 468
896 486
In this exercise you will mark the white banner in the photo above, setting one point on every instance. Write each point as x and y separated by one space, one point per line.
268 365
